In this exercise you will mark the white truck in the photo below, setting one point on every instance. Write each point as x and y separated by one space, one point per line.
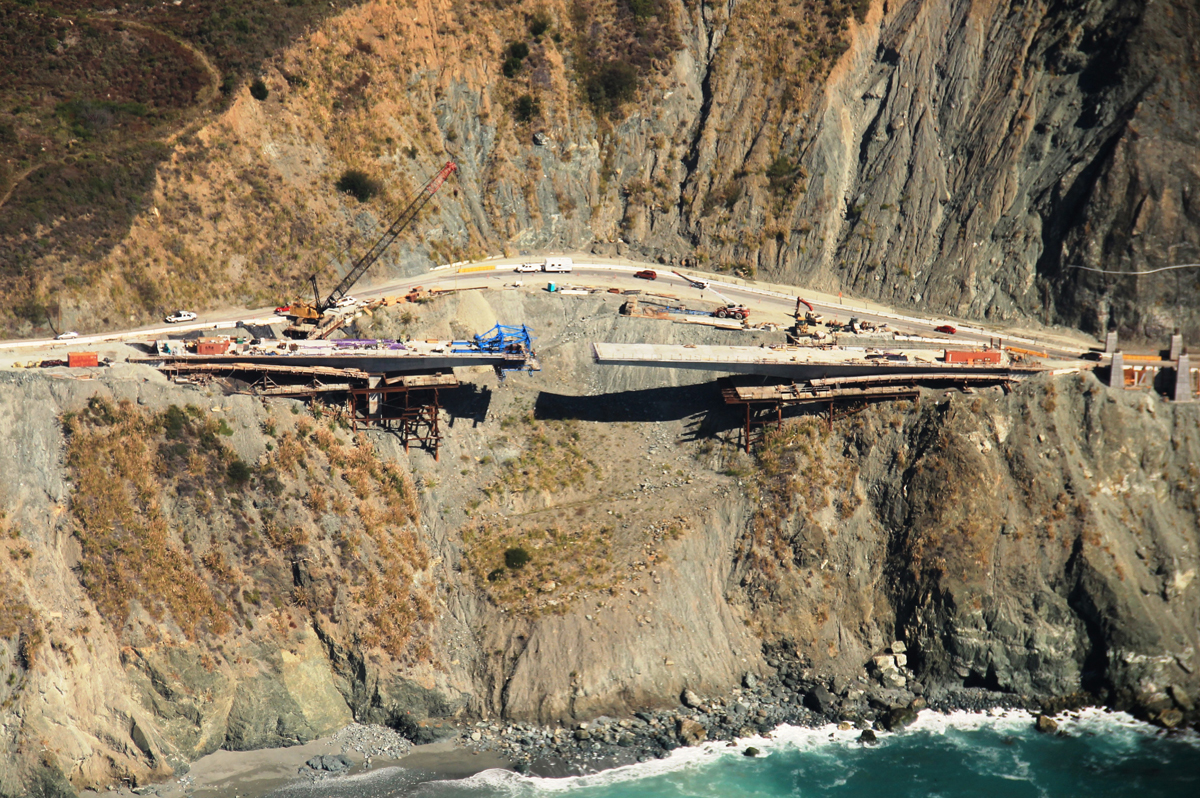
548 265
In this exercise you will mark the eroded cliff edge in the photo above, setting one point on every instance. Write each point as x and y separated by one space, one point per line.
1038 544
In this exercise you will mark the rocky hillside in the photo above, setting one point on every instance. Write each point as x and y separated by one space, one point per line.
188 570
944 155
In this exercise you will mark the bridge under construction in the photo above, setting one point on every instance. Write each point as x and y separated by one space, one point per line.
767 379
395 385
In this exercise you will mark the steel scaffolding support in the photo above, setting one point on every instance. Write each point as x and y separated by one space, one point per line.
415 420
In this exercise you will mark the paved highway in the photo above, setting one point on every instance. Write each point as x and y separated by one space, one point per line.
765 304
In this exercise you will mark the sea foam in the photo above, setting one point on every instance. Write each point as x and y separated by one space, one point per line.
1116 726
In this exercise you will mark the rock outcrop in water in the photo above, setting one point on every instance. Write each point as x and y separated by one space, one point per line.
1036 548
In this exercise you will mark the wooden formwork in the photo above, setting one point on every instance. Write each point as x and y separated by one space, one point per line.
407 405
764 404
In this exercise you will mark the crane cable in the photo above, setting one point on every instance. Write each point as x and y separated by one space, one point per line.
344 251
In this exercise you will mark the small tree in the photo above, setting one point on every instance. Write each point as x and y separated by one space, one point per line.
511 67
258 90
539 23
238 472
357 184
614 83
526 108
516 558
515 55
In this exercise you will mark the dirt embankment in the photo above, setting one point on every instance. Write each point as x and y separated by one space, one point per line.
240 573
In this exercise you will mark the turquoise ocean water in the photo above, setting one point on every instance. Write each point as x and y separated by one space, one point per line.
1098 754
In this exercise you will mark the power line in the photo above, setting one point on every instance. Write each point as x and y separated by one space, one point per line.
1136 274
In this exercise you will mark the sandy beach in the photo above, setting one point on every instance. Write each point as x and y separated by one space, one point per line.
252 774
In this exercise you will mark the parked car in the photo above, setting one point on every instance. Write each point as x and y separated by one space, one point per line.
282 310
646 274
345 302
180 315
64 336
946 328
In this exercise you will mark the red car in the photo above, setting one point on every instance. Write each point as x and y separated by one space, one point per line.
283 309
945 328
646 274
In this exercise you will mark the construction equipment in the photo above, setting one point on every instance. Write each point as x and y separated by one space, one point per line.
694 282
810 315
313 321
732 310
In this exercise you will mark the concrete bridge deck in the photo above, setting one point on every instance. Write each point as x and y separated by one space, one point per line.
796 362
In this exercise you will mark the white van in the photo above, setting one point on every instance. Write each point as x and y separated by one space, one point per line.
528 267
557 265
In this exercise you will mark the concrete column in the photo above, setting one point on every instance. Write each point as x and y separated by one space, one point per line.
373 399
1110 342
1183 379
1116 379
1176 347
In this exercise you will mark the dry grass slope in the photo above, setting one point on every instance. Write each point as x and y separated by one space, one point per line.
172 522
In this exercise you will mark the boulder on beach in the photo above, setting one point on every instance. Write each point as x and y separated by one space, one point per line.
819 699
690 732
334 763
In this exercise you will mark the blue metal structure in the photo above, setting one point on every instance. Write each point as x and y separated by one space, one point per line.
506 339
515 343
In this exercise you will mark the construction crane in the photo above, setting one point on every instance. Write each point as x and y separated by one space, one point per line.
308 317
694 282
732 310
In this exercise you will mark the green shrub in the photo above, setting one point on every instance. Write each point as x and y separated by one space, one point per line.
511 67
358 184
516 558
239 473
539 23
780 167
526 108
258 90
613 84
173 421
518 50
642 9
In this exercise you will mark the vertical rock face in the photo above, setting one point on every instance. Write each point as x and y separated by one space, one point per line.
964 157
954 156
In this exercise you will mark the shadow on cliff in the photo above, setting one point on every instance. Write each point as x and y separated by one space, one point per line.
467 403
700 406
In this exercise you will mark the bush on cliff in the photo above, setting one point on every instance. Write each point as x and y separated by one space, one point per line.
358 184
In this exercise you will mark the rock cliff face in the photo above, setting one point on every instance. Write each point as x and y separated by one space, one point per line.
233 574
947 155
